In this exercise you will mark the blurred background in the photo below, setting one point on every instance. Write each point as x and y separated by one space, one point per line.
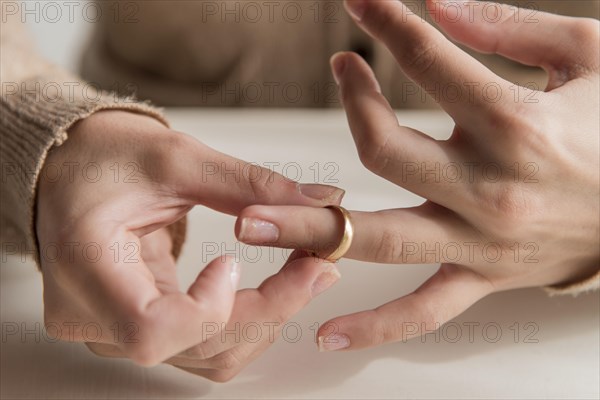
240 53
173 52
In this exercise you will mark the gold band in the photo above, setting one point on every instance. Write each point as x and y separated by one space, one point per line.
346 241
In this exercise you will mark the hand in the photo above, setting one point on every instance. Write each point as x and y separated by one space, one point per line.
530 219
255 323
106 198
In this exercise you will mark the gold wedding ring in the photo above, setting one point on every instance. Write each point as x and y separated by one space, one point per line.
346 241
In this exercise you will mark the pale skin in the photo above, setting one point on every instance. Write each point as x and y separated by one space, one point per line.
558 212
543 228
131 291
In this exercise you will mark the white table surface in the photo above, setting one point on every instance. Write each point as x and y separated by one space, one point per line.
564 363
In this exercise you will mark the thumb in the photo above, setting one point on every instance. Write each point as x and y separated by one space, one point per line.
180 321
216 285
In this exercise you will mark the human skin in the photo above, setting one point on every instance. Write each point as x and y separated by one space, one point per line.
552 134
541 217
130 291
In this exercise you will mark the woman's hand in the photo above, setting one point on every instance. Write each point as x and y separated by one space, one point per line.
256 322
512 196
106 199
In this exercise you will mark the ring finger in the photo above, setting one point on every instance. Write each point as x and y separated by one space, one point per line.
421 235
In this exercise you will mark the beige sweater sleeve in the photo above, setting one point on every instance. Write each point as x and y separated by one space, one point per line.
587 285
38 105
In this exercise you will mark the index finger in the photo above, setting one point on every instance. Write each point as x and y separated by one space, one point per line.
450 75
226 184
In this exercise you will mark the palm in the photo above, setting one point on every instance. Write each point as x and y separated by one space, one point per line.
156 254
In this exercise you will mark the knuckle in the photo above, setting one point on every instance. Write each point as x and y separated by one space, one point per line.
198 352
172 143
380 333
388 248
527 135
226 361
507 202
429 315
509 207
530 141
145 352
423 57
142 354
262 185
147 349
586 30
372 152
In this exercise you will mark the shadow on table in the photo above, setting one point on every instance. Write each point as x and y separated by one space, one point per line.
58 371
63 370
549 318
35 367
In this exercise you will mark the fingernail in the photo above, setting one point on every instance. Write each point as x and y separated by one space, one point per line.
257 231
356 8
338 64
336 341
324 193
234 271
325 280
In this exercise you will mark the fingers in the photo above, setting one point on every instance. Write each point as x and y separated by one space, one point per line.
399 154
260 314
420 235
528 36
255 322
444 296
298 282
146 324
214 286
173 322
427 57
226 184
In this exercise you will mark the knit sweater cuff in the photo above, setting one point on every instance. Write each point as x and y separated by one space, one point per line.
30 126
574 289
